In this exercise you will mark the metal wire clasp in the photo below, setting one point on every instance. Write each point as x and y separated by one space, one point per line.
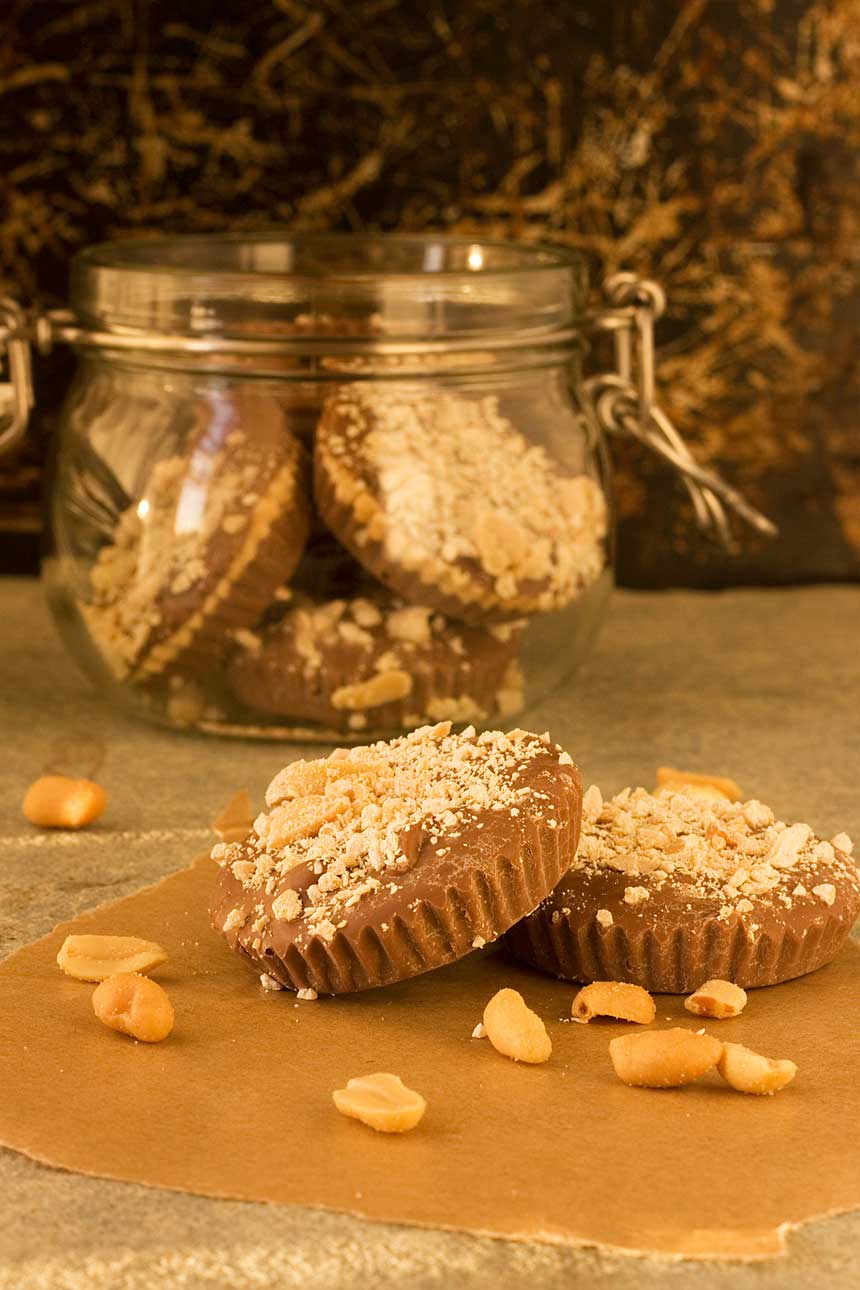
624 403
16 394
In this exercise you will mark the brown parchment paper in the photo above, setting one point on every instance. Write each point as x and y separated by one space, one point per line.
237 1103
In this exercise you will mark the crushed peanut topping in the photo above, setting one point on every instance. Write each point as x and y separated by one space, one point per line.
348 817
461 498
736 852
635 895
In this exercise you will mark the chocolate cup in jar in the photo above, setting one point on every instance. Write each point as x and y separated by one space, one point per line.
373 662
447 504
452 879
219 528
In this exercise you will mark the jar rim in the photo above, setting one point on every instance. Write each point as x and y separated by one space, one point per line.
443 256
312 294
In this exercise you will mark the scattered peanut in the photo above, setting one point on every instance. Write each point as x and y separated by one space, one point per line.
381 1101
135 1006
709 786
718 999
234 822
748 1072
613 999
93 958
60 802
514 1030
664 1058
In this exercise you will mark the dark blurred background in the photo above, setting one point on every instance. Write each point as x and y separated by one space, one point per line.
712 145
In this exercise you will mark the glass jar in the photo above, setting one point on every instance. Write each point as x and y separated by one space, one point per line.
336 486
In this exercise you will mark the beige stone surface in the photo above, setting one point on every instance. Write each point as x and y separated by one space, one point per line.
761 685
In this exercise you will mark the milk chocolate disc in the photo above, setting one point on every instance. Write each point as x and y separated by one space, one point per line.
670 891
449 505
217 529
374 662
385 861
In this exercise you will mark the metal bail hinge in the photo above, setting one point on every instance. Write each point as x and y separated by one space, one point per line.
624 403
16 393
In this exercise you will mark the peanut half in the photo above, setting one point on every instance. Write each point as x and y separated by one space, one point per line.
697 785
663 1058
717 999
135 1006
94 958
381 1101
748 1072
60 802
616 999
234 822
514 1030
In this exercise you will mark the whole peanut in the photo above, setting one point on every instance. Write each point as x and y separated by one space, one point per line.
616 999
59 802
135 1006
663 1058
514 1030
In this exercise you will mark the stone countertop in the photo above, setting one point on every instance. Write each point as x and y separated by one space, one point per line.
761 685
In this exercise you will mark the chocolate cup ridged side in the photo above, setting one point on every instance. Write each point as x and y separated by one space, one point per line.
428 934
679 960
391 937
479 607
267 556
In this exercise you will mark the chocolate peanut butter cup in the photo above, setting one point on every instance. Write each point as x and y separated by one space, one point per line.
375 663
218 529
449 505
385 861
669 891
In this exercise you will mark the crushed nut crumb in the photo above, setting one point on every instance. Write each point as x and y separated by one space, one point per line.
269 982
